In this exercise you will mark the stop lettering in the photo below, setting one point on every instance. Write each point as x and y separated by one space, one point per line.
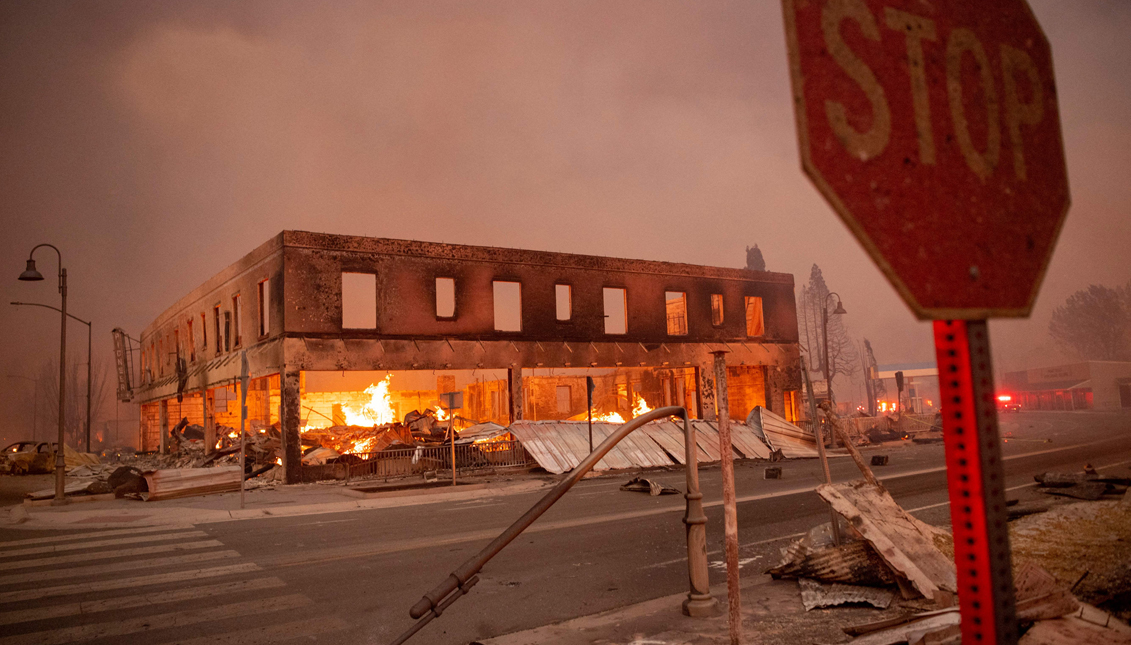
933 130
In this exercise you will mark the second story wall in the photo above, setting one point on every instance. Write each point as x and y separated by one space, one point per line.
404 280
235 309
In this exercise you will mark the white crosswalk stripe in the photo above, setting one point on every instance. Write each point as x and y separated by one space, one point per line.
105 555
77 587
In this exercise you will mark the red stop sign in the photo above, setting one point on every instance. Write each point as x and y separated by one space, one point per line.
933 130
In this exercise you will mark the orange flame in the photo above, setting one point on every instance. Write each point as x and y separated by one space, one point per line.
378 411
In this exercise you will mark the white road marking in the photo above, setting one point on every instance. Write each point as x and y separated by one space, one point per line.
544 526
308 628
742 562
176 619
101 543
137 600
82 572
96 534
126 583
105 555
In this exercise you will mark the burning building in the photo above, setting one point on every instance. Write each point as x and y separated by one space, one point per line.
346 332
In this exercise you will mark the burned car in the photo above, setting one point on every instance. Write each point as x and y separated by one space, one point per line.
28 458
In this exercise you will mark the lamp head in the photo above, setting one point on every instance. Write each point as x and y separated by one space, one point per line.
30 274
839 308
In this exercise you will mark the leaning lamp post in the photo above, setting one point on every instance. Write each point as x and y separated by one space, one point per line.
825 325
30 274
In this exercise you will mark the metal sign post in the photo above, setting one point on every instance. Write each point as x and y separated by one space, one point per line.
933 131
975 479
243 423
455 402
730 505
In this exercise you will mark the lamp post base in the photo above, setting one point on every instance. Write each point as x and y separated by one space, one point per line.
700 606
60 502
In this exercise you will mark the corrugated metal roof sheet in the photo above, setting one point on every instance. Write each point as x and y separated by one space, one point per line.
559 446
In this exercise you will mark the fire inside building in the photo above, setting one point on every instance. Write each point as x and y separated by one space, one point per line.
346 334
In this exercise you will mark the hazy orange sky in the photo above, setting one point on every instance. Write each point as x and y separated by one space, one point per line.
156 143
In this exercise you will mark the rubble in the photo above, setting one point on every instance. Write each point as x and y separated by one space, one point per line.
940 625
816 594
815 556
653 488
189 482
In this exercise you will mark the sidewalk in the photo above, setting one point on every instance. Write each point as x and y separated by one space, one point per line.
284 501
772 614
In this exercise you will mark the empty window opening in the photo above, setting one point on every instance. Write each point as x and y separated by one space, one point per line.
191 342
563 294
564 394
216 331
445 297
203 333
359 301
508 306
227 331
755 325
676 305
616 310
264 307
237 306
177 343
716 309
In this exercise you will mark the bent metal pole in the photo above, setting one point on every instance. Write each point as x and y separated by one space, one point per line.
699 601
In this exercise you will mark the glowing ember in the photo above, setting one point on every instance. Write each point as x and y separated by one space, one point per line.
441 415
361 446
379 409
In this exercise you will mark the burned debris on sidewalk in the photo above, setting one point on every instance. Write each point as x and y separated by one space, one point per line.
653 488
1072 565
1086 485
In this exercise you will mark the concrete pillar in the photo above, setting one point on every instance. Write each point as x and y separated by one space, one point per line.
290 404
208 401
163 446
514 382
705 376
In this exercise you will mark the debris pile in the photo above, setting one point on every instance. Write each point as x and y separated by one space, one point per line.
653 488
1072 564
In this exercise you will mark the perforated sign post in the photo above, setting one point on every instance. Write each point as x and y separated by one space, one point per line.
933 131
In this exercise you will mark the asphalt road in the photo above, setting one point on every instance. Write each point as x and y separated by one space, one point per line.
351 577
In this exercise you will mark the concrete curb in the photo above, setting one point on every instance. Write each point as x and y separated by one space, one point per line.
151 514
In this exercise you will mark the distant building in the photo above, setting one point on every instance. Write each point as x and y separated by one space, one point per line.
1091 385
920 386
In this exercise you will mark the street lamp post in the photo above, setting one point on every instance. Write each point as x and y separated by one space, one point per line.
31 275
89 359
35 403
825 326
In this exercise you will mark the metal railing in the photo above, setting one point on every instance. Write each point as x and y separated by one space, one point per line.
699 601
469 457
